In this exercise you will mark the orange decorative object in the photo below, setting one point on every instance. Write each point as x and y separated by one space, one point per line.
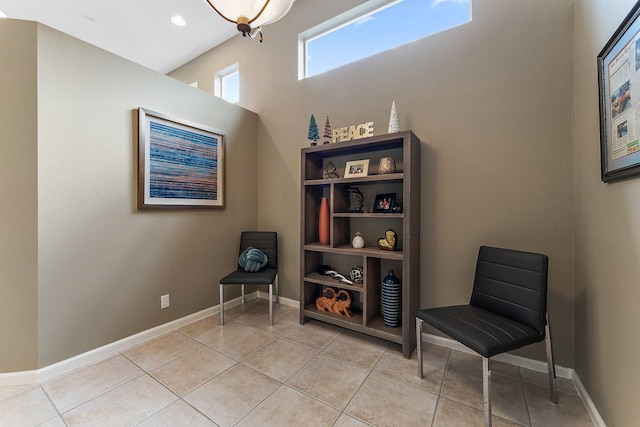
323 226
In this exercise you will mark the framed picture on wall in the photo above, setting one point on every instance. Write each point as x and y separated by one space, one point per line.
619 90
180 164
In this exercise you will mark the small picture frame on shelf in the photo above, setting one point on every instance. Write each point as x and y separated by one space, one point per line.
384 203
356 168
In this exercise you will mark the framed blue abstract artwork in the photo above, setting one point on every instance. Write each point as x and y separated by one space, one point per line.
180 164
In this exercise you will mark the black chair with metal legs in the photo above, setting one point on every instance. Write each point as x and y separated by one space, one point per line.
267 242
508 310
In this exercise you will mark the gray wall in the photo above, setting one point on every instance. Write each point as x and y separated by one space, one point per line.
607 239
102 265
18 190
492 103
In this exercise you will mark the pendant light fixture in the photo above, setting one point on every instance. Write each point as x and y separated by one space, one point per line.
250 15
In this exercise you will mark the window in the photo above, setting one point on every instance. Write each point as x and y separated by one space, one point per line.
227 83
373 27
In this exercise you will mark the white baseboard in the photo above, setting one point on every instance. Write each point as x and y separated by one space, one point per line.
534 365
586 399
106 351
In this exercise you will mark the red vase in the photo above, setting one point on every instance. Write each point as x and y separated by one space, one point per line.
323 224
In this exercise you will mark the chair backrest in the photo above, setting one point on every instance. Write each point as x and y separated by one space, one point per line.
266 241
512 284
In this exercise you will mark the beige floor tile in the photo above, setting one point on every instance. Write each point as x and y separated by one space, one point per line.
382 401
541 379
232 395
156 352
570 411
29 408
79 386
208 329
330 380
8 391
186 373
53 422
347 421
288 407
178 414
242 308
288 310
434 364
454 414
463 384
280 359
128 404
357 348
241 342
475 361
281 324
258 311
316 335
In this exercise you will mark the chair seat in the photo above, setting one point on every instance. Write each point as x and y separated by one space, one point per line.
241 277
482 331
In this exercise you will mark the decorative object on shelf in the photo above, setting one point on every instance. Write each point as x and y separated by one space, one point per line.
357 274
323 222
387 165
313 134
396 209
358 241
389 242
250 15
348 133
326 133
394 121
384 203
330 171
391 300
169 178
356 168
342 305
356 199
329 296
328 271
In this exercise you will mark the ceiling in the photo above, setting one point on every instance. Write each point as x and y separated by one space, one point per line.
138 30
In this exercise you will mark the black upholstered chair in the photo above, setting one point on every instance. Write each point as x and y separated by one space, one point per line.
508 310
267 242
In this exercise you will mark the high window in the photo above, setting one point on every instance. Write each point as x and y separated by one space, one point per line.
373 27
227 83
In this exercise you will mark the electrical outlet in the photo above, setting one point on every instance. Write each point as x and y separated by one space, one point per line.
164 301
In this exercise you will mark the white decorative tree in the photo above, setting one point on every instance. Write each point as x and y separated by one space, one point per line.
394 121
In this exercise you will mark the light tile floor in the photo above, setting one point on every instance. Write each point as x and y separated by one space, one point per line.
248 373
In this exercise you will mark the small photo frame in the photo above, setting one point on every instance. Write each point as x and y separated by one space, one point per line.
356 168
384 203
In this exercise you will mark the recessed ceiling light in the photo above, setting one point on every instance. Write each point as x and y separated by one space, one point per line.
178 20
2 14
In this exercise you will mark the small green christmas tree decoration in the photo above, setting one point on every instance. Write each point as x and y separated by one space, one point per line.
326 133
313 131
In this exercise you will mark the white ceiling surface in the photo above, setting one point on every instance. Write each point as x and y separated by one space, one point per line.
138 30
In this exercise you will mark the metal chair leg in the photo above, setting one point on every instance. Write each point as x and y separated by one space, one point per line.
486 391
419 345
271 304
242 288
277 289
553 385
221 304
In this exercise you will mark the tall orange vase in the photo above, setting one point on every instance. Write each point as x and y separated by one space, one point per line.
323 225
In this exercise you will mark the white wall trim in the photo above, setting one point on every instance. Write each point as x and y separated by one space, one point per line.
534 365
586 399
